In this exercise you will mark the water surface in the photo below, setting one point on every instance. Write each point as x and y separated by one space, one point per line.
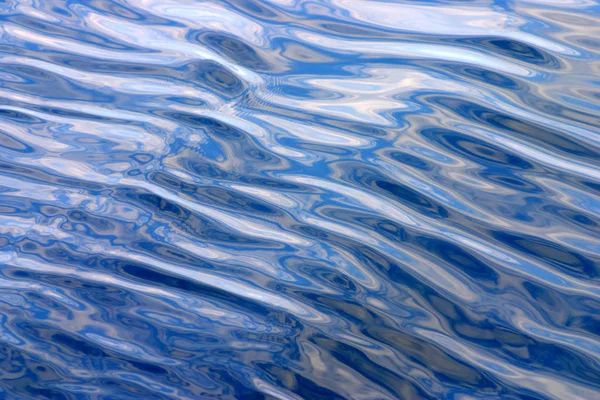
300 199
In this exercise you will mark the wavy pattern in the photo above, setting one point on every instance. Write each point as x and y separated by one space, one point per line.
307 199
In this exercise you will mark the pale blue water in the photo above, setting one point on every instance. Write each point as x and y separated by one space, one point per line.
290 199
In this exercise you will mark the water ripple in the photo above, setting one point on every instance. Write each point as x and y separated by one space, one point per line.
276 199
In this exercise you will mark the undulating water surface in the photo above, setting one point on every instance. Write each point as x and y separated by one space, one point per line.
300 199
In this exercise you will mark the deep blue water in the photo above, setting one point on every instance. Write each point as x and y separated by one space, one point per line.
291 199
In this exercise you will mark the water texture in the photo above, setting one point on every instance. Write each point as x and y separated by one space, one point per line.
300 199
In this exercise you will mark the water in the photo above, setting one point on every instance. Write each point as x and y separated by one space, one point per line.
291 199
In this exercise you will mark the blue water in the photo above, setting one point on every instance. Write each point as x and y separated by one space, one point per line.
292 199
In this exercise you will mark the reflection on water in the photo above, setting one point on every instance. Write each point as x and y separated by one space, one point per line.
332 199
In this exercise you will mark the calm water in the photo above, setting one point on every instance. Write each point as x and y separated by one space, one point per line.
290 199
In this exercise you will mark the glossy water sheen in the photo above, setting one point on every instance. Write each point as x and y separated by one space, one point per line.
292 199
